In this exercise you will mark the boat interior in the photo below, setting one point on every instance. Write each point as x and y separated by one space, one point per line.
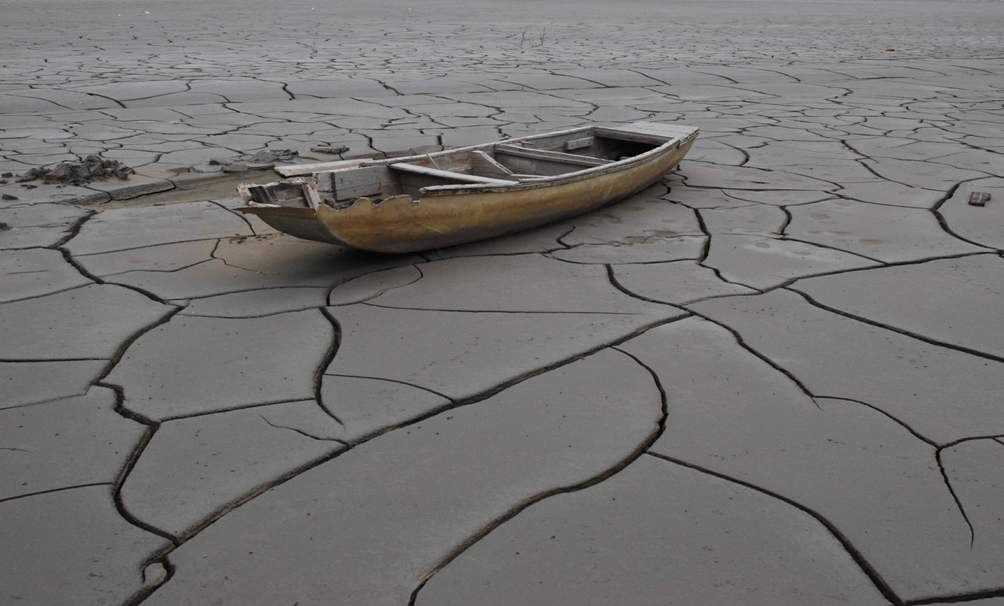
495 164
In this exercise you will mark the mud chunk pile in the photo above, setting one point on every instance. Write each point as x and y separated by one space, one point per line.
92 168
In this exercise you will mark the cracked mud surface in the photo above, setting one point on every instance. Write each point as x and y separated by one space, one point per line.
774 377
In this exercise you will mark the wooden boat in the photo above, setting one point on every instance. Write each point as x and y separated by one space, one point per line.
451 197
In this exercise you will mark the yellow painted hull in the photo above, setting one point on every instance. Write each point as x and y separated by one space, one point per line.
400 224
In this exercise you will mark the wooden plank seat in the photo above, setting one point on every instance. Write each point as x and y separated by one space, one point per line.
547 155
534 162
448 174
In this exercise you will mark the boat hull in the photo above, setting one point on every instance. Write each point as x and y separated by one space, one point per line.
401 224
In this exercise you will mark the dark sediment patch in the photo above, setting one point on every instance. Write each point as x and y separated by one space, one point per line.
92 168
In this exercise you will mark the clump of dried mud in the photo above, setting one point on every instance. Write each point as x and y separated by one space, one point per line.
92 168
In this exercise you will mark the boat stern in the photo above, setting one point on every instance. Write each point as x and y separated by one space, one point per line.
289 206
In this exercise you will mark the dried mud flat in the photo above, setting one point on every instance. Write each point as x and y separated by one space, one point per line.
773 378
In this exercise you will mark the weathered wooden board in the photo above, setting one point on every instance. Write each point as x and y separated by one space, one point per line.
359 182
297 170
448 174
580 143
549 156
287 193
483 164
646 132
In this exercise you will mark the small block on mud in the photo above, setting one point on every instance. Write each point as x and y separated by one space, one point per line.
979 198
